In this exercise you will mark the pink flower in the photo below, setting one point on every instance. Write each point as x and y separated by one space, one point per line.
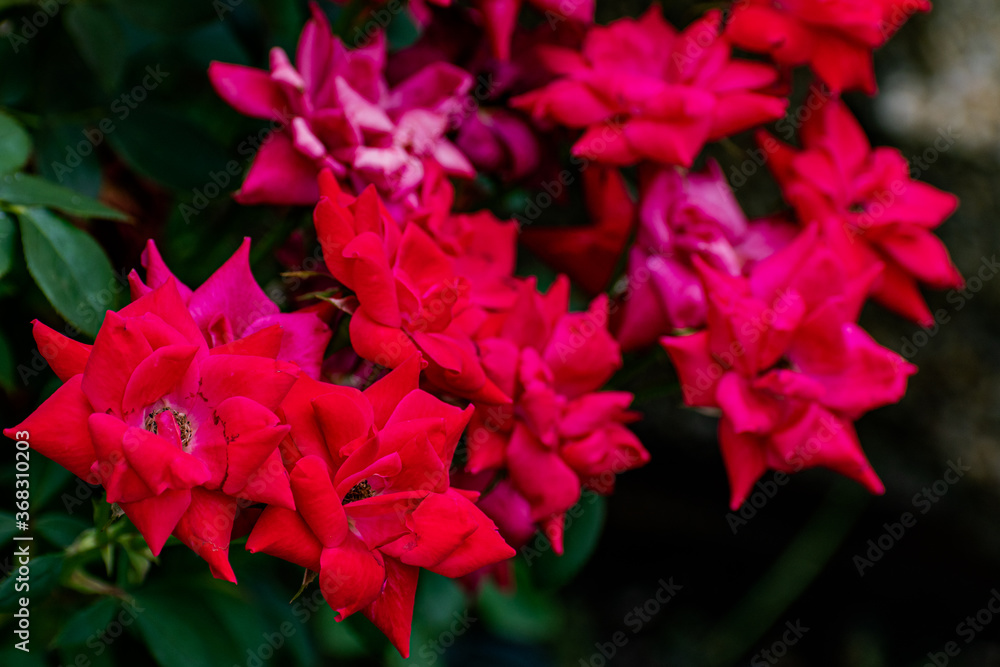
643 91
230 306
501 142
408 295
336 112
834 37
561 433
181 437
683 217
369 472
785 362
869 209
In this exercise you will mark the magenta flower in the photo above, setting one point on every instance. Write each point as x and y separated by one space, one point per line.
869 209
784 360
834 37
336 112
683 217
644 91
230 306
561 434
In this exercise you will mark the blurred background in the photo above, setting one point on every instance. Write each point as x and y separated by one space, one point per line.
813 571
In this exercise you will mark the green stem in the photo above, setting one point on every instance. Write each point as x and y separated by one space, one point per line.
789 577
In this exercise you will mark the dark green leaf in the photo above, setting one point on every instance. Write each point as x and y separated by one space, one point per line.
87 622
47 477
43 574
176 628
70 268
172 16
12 656
523 614
25 190
99 38
584 522
59 529
167 148
15 145
8 234
67 156
401 32
7 528
7 363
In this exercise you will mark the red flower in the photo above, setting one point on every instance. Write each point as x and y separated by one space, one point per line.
482 249
408 294
561 433
230 306
643 91
180 436
374 504
785 362
589 254
868 208
834 37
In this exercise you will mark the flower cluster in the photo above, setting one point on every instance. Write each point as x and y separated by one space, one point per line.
459 408
185 412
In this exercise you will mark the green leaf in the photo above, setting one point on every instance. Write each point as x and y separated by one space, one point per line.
7 362
25 190
87 622
521 615
67 155
402 31
59 529
43 574
165 17
176 628
584 522
8 234
337 638
12 656
160 144
7 529
99 37
47 478
69 266
15 145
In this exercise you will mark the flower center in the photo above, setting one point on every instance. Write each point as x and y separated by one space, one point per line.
183 425
359 491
